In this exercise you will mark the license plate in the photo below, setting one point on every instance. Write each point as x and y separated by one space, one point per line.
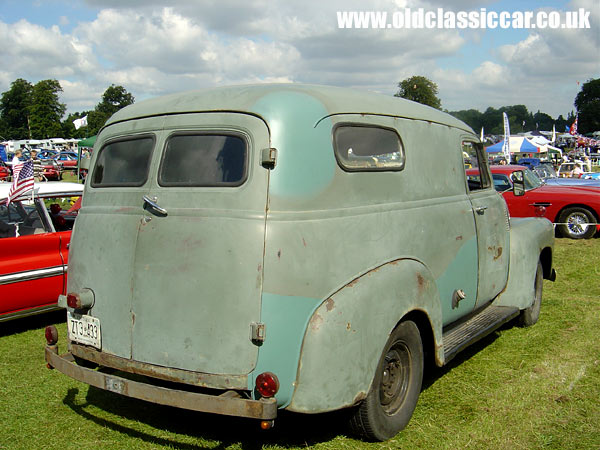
84 329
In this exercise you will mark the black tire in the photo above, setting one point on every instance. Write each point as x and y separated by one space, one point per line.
573 218
396 386
530 315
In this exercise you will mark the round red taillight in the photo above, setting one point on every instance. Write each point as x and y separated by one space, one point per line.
267 384
51 334
73 301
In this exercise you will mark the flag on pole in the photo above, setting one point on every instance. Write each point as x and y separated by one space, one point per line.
506 143
573 129
22 180
80 122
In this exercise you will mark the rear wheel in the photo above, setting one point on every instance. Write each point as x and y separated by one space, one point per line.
396 386
530 315
577 223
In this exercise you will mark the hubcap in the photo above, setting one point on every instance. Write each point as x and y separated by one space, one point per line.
577 224
395 377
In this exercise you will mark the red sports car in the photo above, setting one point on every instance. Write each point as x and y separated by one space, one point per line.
34 239
575 210
4 171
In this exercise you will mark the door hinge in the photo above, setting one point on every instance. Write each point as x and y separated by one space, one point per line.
269 158
257 332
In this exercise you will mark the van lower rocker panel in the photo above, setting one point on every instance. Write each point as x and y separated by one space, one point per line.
477 327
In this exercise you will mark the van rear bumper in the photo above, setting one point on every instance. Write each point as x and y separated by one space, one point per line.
229 403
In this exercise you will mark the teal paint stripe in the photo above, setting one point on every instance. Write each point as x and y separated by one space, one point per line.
460 274
286 319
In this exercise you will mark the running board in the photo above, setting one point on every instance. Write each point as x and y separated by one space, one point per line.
477 327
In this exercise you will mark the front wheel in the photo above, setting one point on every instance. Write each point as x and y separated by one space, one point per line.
396 386
530 315
577 223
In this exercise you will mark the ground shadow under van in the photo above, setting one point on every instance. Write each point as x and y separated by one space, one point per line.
291 430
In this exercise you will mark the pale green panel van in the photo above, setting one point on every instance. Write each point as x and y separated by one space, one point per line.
290 247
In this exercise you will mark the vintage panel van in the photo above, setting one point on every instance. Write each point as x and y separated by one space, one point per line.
290 247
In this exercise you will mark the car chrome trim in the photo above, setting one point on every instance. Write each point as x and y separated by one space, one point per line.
32 274
29 312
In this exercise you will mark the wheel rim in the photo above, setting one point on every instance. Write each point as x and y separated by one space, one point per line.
576 224
395 377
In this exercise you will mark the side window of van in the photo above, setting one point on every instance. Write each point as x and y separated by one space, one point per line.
360 147
475 166
123 163
204 160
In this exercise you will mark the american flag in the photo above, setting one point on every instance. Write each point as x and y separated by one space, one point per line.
22 180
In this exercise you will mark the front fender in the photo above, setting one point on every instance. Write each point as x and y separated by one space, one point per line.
347 332
529 238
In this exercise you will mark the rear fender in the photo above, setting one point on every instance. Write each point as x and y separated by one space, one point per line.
347 332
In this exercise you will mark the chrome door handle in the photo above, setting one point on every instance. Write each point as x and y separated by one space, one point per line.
480 210
154 205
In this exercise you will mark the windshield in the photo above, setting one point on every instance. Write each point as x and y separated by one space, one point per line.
532 181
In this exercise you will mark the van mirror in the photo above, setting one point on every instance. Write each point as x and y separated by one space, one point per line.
518 183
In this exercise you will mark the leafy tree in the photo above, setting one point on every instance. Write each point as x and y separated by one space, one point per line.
45 110
587 103
113 99
14 108
419 89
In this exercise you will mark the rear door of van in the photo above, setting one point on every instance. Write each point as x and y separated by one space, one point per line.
187 279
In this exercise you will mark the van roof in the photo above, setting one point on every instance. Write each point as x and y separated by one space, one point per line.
247 99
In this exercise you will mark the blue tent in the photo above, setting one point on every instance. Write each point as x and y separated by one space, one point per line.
3 156
517 145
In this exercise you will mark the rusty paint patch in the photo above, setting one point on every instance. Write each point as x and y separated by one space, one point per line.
279 254
352 283
315 322
459 238
348 326
303 242
259 268
359 397
394 263
498 253
421 281
329 304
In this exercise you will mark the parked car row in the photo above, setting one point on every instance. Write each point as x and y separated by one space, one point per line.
575 210
34 240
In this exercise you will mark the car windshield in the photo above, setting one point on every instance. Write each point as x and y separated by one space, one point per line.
532 181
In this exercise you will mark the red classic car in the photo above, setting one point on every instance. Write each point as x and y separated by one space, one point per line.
4 171
575 210
67 160
34 238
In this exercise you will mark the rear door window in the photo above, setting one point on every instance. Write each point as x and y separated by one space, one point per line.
204 160
123 162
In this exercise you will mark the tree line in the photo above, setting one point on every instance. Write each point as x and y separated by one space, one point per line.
34 111
587 103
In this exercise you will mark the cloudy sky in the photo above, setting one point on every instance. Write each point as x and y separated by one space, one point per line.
152 49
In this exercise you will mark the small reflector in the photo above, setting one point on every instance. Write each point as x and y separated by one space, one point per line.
267 424
267 384
73 301
51 334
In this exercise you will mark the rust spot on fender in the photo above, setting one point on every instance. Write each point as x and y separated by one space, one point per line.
315 322
348 326
459 238
303 242
329 304
497 252
421 281
359 397
352 283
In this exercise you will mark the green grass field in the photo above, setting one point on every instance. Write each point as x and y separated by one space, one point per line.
534 388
